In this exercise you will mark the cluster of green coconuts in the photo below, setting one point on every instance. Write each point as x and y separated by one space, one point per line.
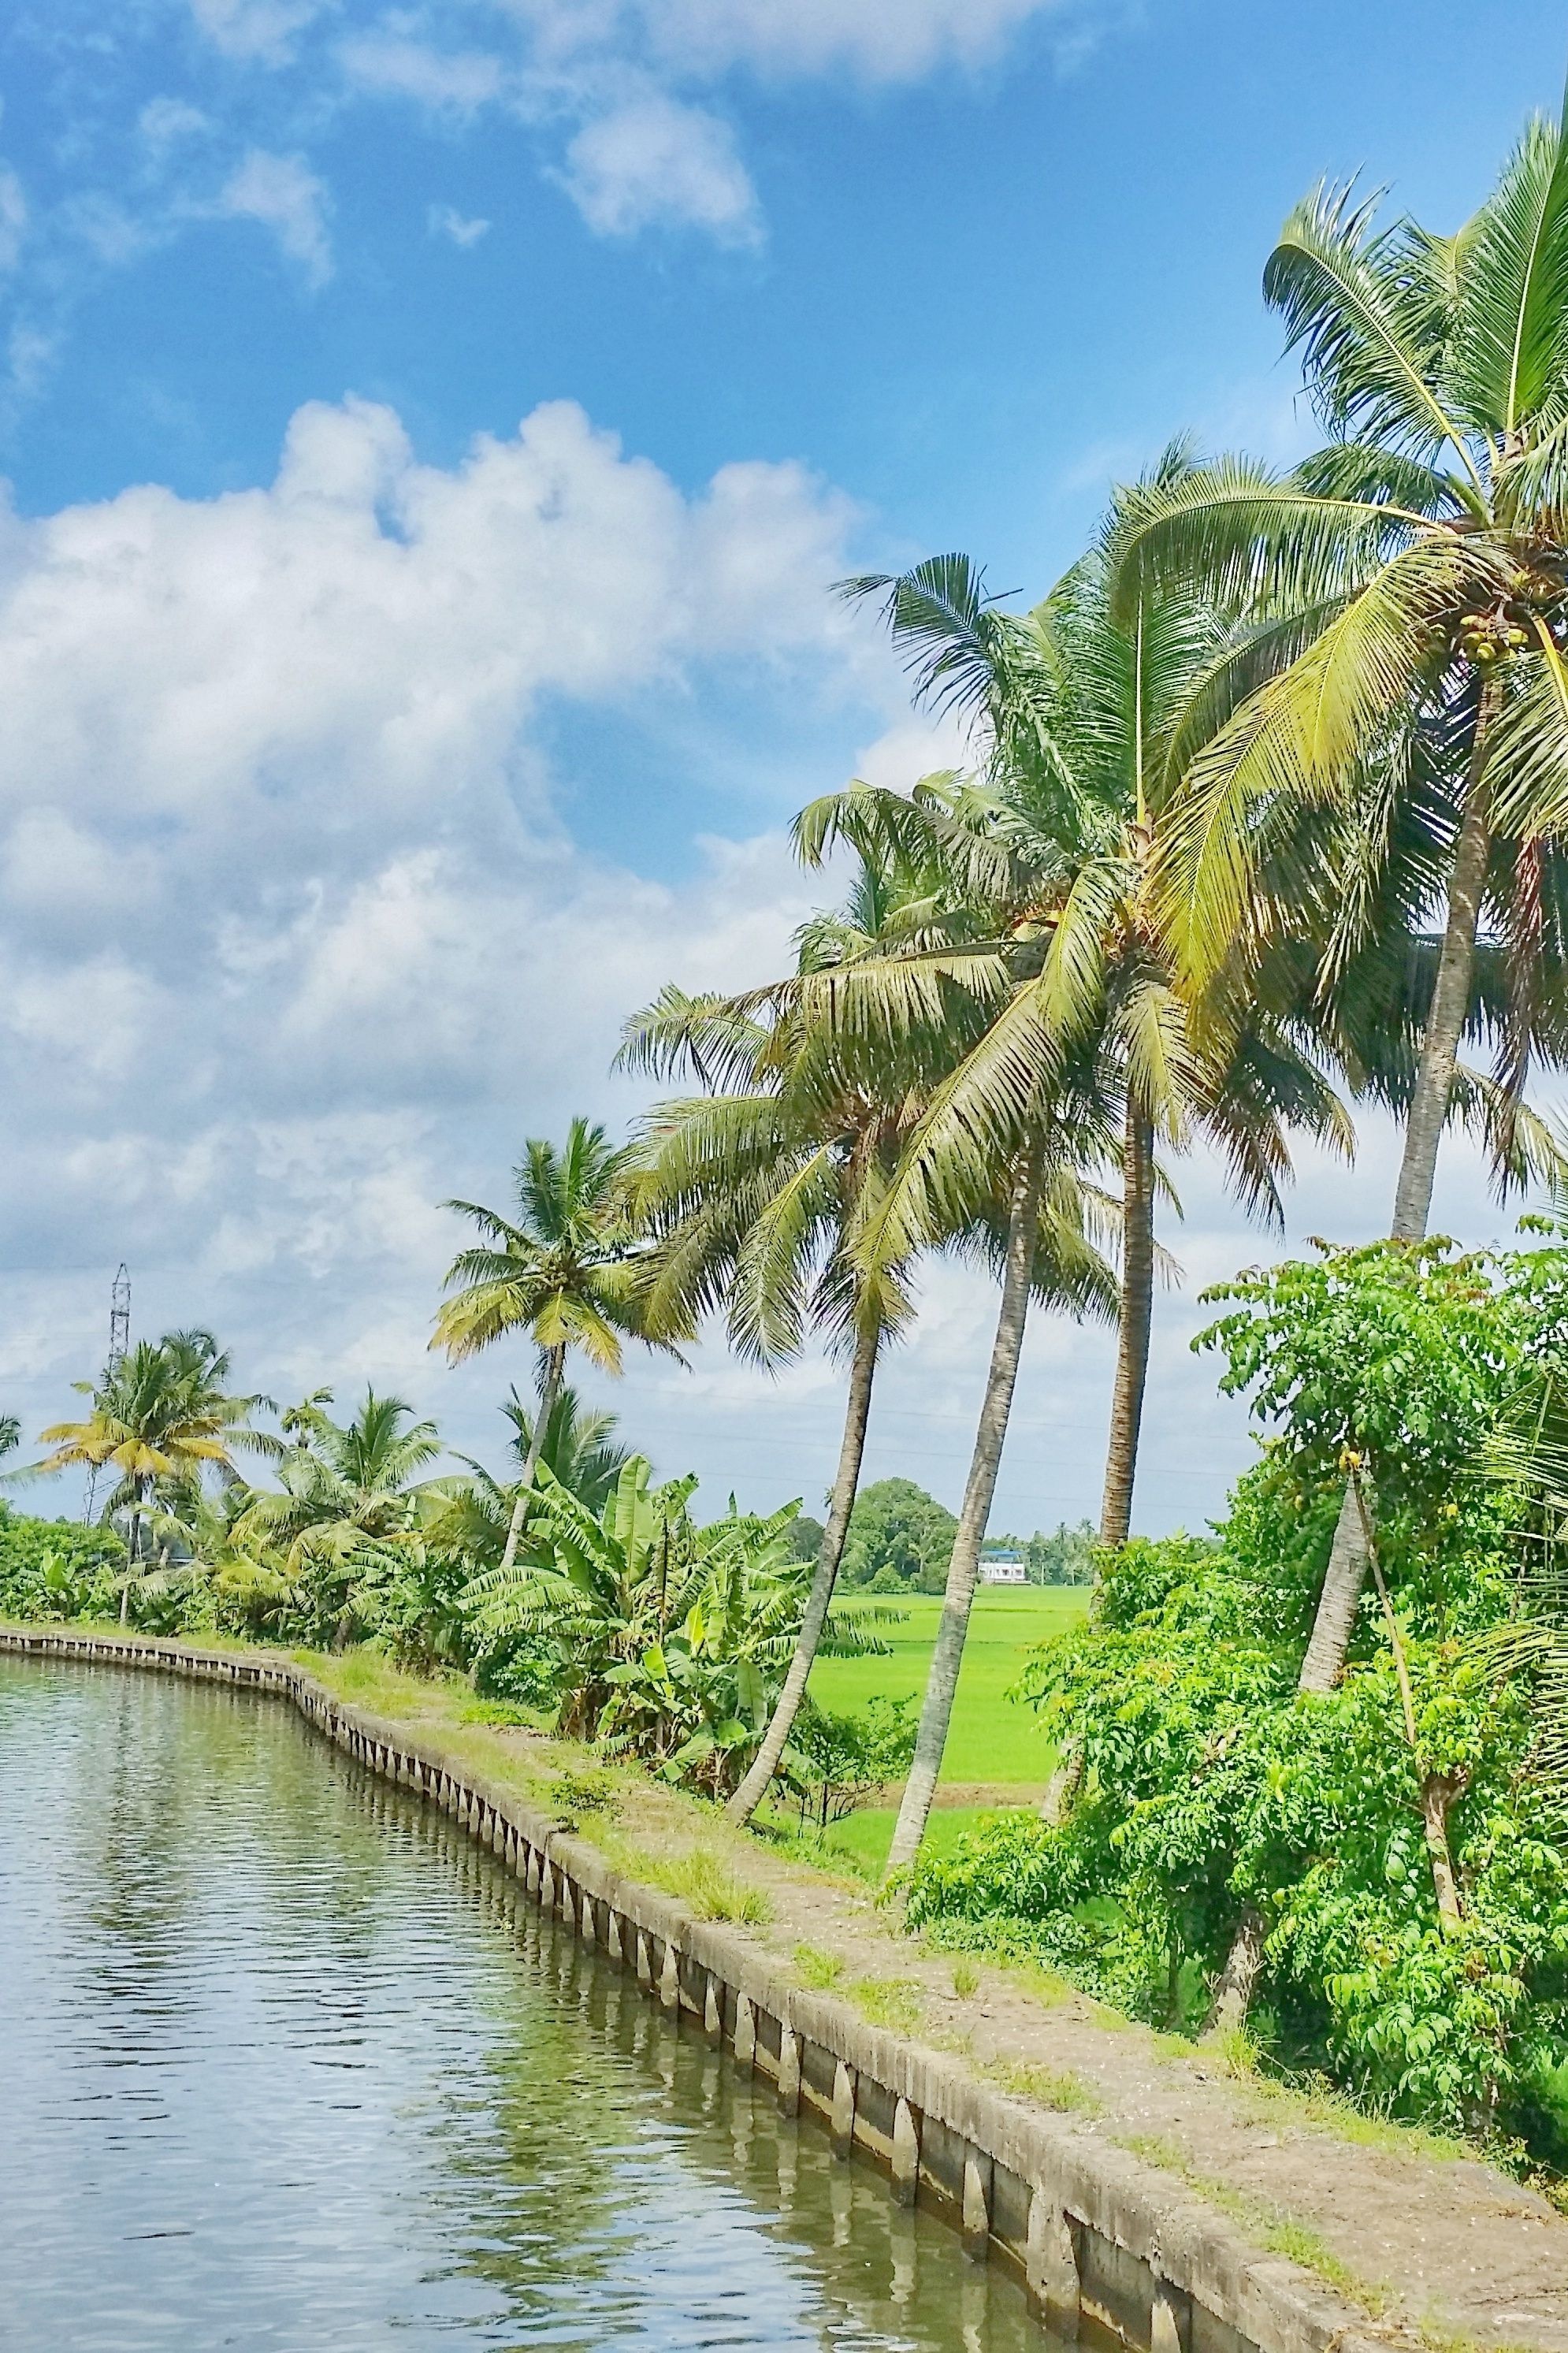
1486 636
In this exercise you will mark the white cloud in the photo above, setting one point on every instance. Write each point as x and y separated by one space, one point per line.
293 944
13 217
284 194
653 162
390 63
823 36
164 122
446 220
263 31
619 85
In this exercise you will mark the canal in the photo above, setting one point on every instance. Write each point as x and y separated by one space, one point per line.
290 2064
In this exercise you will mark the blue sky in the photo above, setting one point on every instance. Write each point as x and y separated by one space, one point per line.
350 796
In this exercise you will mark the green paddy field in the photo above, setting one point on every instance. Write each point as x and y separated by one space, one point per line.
994 1740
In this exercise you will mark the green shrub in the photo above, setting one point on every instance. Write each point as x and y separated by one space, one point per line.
1201 1785
56 1568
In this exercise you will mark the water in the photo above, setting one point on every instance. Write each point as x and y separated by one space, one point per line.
286 2063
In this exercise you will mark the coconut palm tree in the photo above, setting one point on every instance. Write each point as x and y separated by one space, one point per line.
579 1444
1077 703
161 1416
923 1005
10 1434
578 1449
1404 666
351 1494
756 1193
565 1268
760 1191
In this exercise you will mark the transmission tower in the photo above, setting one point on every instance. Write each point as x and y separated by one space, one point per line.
118 1342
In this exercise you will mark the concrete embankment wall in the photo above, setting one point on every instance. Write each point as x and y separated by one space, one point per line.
1098 2234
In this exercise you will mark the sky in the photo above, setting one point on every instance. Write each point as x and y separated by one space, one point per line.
433 433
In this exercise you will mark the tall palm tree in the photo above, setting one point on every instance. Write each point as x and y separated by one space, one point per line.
766 1188
756 1192
160 1417
10 1434
565 1268
1024 1204
1405 668
1078 703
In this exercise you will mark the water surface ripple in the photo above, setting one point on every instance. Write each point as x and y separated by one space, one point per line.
289 2064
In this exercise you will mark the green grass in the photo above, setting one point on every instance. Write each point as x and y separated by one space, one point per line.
992 1738
701 1879
1054 2087
865 1837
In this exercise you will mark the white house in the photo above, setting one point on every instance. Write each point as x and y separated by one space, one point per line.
1003 1568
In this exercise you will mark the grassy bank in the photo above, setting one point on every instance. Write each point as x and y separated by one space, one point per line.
993 1738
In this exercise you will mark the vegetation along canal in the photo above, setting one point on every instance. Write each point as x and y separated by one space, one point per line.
290 2064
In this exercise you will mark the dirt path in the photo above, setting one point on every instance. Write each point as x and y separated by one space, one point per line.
1435 2245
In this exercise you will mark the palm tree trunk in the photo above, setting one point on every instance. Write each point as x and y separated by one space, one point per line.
862 1371
1451 1004
1346 1572
554 1365
1233 1989
964 1570
133 1532
1132 1342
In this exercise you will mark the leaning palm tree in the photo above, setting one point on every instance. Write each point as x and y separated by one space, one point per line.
924 1005
756 1192
565 1267
160 1417
1405 663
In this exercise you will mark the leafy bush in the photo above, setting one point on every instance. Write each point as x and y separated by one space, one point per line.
56 1568
834 1762
1200 1787
666 1640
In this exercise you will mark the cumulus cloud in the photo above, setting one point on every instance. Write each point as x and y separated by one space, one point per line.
284 194
651 162
294 944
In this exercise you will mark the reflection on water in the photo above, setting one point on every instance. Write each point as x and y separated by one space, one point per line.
288 2063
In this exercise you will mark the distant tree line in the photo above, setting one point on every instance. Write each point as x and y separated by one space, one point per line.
900 1541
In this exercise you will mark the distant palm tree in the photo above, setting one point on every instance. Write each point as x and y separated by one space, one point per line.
578 1447
565 1267
10 1432
346 1486
162 1416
